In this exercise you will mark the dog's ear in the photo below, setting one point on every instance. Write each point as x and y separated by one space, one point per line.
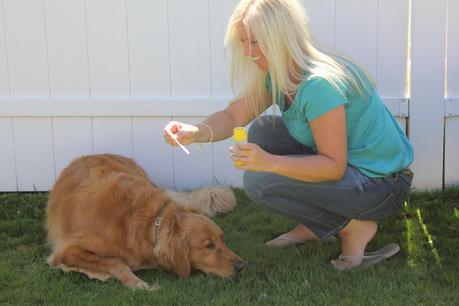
172 249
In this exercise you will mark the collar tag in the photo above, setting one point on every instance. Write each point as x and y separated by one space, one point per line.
158 221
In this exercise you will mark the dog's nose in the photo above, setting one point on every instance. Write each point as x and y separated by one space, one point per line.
240 264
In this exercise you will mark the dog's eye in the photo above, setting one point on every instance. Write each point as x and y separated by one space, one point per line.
210 246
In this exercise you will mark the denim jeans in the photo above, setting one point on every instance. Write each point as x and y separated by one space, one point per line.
325 207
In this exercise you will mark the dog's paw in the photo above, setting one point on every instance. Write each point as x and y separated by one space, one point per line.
136 283
207 200
219 200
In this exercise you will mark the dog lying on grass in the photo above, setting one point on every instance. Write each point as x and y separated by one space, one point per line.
106 219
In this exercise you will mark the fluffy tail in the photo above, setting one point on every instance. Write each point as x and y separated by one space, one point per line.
207 200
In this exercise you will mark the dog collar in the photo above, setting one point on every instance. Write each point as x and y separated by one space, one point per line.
158 220
157 224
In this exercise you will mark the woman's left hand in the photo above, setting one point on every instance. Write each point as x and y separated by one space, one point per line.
250 156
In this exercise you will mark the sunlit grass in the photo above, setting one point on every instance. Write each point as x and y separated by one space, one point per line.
428 236
425 272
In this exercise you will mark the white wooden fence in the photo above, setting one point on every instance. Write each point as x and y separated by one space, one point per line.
92 76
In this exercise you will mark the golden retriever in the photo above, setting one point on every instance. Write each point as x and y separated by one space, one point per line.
106 219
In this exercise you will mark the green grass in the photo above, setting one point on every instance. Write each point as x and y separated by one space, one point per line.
425 272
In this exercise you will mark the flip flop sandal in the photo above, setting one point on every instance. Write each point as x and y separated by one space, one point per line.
368 259
284 241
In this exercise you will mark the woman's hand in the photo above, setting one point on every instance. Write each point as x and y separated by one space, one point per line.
182 132
251 157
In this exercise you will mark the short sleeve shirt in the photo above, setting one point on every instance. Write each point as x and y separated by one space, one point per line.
376 144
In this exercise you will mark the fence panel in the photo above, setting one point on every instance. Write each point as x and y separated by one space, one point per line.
322 21
357 32
72 137
452 96
67 48
427 91
94 64
4 77
33 139
220 12
392 47
150 150
7 156
26 48
189 47
113 135
108 48
148 48
193 170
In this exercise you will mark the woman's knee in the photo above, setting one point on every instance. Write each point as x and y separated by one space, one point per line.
252 183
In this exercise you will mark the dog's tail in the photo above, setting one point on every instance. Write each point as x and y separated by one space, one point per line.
207 200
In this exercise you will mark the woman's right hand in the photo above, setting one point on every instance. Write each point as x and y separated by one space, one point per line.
182 132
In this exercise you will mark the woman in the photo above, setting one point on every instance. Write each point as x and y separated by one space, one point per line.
335 161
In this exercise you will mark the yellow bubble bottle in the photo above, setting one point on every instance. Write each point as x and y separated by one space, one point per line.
239 136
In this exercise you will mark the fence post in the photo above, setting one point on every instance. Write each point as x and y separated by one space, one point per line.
427 91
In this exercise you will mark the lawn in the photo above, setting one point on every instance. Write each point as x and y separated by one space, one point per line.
425 272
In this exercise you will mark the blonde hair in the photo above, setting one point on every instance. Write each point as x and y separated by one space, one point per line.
281 28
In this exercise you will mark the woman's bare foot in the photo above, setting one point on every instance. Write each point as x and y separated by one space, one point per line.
354 239
301 232
298 235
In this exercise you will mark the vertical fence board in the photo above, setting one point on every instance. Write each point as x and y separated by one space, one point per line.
452 91
67 48
151 152
7 156
224 171
108 48
194 170
26 48
392 47
112 135
427 93
189 45
148 47
4 81
72 139
452 152
322 21
220 13
356 32
34 153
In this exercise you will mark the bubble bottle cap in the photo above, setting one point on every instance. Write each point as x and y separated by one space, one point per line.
239 134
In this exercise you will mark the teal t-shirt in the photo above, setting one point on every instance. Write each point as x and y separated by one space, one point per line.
377 146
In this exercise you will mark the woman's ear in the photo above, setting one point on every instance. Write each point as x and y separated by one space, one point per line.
173 250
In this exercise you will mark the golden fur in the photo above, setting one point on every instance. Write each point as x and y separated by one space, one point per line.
101 220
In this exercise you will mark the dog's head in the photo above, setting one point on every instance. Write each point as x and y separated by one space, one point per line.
190 241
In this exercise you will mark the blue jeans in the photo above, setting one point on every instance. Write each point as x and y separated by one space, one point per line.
325 207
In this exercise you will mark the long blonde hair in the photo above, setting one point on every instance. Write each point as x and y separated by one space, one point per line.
281 28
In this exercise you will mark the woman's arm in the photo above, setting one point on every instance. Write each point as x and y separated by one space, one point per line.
238 113
329 131
223 122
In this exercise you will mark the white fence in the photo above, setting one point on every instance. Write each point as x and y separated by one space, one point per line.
92 76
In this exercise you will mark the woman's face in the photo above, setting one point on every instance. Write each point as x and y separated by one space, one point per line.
252 48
